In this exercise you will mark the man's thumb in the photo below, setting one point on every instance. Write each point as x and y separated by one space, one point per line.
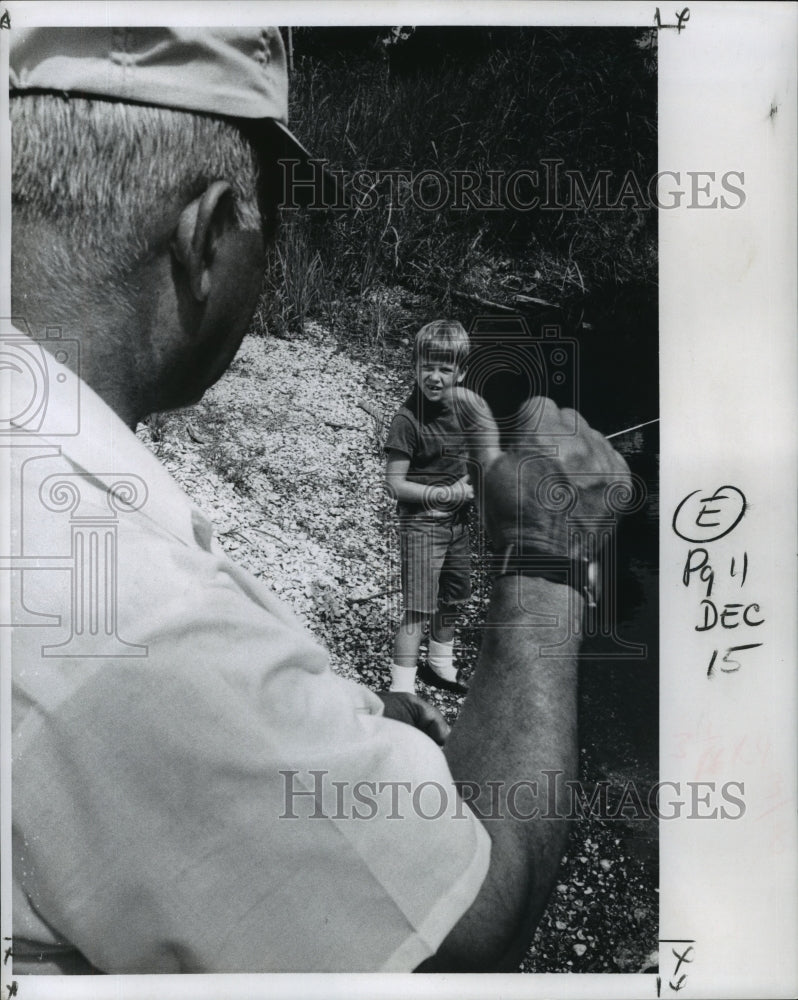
480 427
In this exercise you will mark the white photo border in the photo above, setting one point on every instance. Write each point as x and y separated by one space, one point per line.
729 409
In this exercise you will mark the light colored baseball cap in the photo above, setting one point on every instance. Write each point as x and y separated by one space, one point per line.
233 72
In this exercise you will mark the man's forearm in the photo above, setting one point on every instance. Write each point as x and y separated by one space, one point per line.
517 723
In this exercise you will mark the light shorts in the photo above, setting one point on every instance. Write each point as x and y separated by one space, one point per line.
436 561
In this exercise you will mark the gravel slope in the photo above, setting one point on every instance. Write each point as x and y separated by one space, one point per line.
288 466
284 459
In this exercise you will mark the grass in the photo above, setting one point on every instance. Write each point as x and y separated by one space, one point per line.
450 100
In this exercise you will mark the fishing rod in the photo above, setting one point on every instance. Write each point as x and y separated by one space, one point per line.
628 430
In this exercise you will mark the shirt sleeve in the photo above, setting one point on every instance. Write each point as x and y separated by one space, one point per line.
402 435
228 804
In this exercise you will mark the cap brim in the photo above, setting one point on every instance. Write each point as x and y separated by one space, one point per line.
307 181
291 143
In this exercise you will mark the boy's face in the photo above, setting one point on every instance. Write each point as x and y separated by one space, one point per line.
436 375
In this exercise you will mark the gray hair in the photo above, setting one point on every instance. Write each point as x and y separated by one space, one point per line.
107 170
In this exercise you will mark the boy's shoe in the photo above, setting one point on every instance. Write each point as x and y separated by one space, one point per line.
428 675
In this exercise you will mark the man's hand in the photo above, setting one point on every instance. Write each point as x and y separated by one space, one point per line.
549 472
477 421
416 712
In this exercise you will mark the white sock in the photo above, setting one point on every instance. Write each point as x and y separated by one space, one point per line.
403 679
441 659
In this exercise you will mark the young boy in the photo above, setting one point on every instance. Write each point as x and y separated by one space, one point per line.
426 472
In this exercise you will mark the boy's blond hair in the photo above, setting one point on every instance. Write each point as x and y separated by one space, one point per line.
442 338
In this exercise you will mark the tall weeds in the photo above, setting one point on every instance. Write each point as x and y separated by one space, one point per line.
476 100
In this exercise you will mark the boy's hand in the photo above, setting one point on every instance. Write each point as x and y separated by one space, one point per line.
548 473
463 490
442 500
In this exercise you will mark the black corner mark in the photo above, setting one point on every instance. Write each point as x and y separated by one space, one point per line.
5 20
685 957
12 988
681 19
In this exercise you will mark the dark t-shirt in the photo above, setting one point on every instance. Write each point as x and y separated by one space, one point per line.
431 436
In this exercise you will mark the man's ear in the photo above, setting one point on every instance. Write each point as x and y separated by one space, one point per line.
199 228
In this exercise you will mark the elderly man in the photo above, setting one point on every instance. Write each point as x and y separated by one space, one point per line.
194 789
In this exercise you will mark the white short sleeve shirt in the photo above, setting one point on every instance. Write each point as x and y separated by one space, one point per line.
194 790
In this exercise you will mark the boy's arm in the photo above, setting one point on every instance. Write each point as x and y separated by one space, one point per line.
431 497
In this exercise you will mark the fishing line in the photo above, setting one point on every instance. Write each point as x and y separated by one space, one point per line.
636 427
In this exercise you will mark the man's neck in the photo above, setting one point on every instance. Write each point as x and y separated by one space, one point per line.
109 356
108 373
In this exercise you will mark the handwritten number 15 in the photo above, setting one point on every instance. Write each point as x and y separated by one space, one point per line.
734 665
